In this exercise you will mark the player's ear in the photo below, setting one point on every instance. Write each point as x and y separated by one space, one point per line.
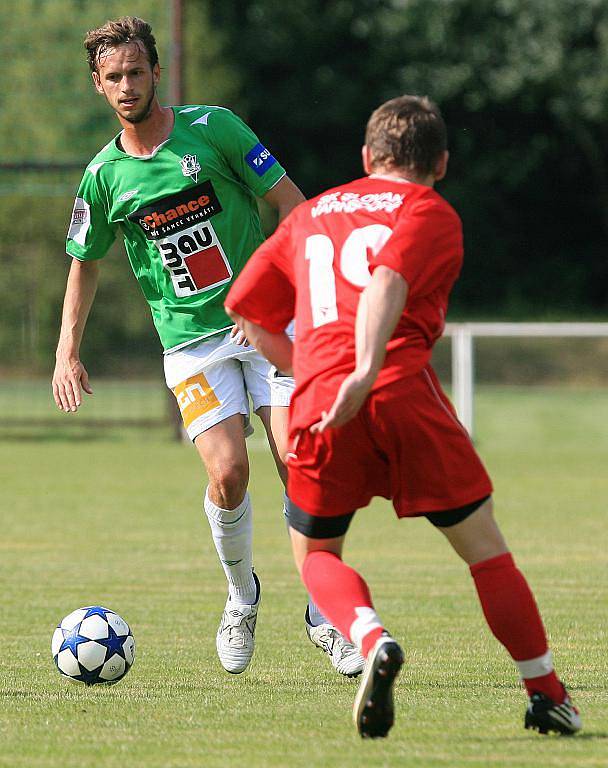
97 82
441 167
366 157
156 74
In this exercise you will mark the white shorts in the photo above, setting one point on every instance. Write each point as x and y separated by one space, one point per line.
213 379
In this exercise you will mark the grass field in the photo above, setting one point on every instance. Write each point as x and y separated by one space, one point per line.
114 517
27 401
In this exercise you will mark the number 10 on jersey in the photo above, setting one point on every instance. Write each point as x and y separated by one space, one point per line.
354 267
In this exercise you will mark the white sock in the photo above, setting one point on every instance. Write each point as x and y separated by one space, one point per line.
286 504
315 617
232 531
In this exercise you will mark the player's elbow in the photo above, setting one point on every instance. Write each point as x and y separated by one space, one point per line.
388 277
391 285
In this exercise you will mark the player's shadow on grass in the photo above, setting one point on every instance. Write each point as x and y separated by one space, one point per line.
585 736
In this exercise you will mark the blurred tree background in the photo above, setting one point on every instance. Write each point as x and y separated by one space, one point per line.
523 85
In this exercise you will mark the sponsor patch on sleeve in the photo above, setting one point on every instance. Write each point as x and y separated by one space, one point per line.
81 221
260 159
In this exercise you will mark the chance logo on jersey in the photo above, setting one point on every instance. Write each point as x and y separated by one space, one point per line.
180 228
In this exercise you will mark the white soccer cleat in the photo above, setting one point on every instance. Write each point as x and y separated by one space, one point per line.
235 640
343 655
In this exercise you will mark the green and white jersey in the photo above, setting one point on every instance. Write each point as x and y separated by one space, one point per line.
188 216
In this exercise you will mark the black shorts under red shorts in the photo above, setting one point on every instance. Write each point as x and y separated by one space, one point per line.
405 444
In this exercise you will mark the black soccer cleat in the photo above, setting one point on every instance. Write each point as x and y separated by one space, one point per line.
544 715
373 710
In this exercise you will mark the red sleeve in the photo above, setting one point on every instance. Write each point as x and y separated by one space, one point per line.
264 291
425 247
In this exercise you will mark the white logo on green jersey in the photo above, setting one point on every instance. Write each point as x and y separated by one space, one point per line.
81 221
190 166
127 195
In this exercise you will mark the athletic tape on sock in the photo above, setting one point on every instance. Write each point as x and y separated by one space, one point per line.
537 667
366 621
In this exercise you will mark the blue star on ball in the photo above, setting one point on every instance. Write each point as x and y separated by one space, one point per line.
97 610
72 639
86 677
113 643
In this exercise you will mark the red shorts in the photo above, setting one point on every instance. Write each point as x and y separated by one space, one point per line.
405 444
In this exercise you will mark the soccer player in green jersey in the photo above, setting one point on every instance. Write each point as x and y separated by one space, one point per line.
181 184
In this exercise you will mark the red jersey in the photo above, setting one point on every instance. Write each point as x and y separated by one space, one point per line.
320 258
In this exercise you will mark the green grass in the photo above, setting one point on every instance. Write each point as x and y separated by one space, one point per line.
117 520
29 400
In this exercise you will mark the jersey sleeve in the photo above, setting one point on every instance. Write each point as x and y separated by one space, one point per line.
264 292
425 247
248 158
90 234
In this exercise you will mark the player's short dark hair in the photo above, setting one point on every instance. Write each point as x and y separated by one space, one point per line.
126 29
407 132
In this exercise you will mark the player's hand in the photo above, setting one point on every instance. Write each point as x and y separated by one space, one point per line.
352 394
68 378
238 336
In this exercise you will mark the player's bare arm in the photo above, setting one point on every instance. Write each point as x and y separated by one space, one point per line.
380 307
70 374
284 197
276 347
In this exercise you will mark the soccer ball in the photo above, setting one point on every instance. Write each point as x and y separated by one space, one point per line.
93 645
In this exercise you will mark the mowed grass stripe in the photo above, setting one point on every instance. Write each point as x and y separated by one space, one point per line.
117 520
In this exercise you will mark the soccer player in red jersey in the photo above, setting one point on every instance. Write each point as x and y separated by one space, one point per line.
367 269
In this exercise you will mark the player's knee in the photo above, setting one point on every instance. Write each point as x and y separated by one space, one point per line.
301 547
489 530
477 537
228 483
487 508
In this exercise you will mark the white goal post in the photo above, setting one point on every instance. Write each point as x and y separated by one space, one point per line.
463 334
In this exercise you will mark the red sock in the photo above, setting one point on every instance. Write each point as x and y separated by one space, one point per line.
343 597
512 614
